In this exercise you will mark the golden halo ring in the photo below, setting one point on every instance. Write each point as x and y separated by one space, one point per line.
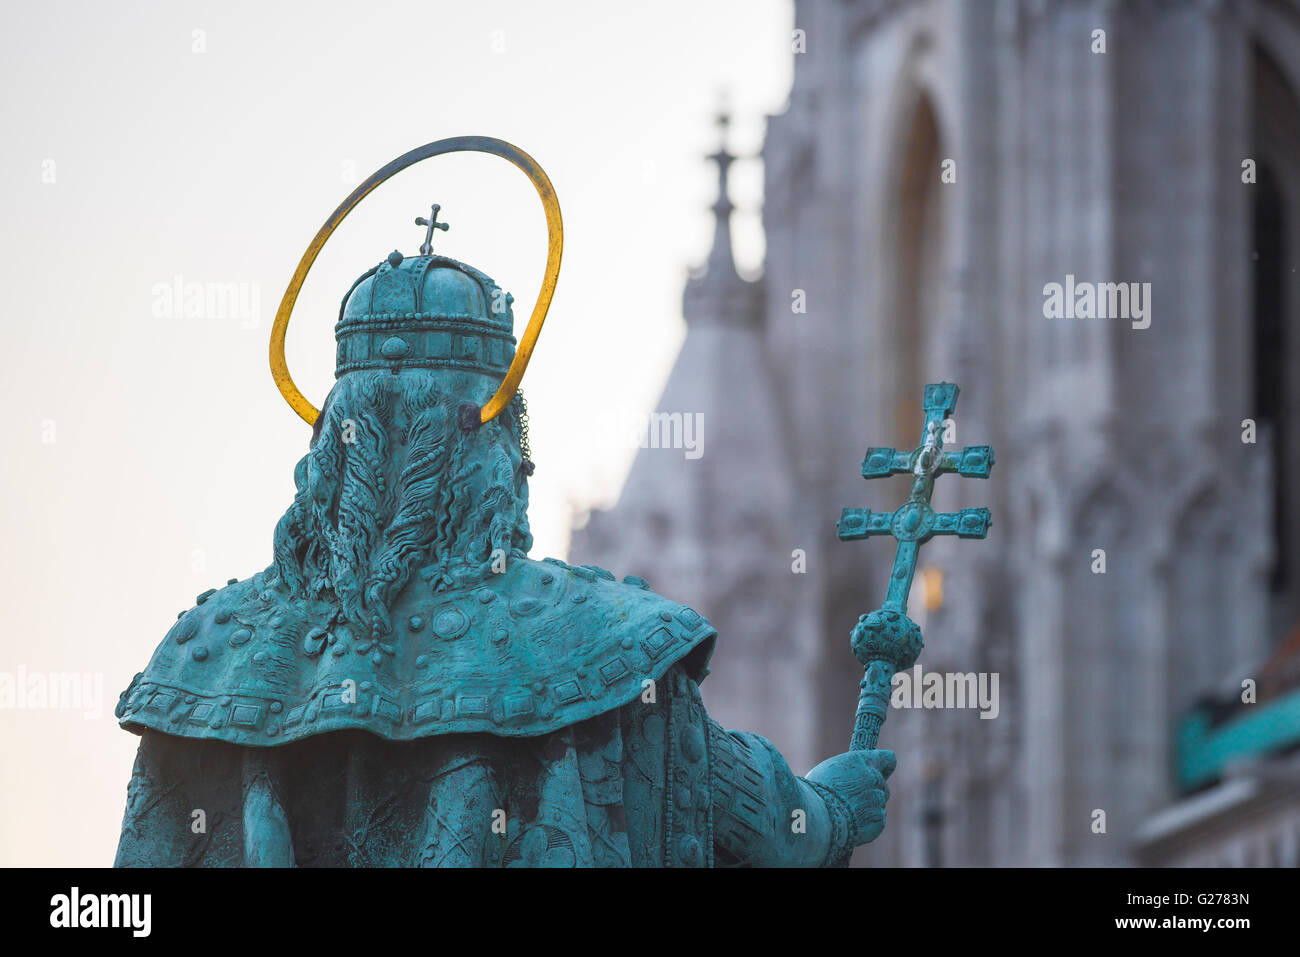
455 144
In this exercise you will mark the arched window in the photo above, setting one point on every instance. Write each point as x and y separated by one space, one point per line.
1274 316
916 215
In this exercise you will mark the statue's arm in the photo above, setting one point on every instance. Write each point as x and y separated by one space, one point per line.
766 816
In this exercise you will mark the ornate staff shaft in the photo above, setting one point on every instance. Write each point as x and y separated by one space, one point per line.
886 641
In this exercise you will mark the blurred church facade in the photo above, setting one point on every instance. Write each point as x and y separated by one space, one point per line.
1116 689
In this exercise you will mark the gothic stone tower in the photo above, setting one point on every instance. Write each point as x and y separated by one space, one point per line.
939 164
714 529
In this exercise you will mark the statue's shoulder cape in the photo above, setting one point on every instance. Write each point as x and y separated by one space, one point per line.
539 647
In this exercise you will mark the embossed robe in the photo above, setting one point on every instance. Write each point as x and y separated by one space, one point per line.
549 716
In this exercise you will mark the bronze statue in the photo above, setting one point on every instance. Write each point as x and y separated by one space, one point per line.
404 686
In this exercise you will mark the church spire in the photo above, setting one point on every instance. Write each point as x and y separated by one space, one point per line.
720 258
717 293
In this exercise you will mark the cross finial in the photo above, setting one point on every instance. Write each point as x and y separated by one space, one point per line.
723 157
915 522
887 641
432 224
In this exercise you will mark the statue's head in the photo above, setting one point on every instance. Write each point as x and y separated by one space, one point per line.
419 458
401 475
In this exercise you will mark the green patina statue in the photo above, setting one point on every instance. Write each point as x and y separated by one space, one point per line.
403 686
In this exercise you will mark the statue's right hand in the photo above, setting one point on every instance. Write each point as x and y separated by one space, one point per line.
859 778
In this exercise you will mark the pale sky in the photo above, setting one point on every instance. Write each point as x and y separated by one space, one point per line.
150 454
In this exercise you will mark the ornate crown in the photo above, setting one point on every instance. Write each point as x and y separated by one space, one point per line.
428 311
425 312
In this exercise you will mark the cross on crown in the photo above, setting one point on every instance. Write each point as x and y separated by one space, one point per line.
432 223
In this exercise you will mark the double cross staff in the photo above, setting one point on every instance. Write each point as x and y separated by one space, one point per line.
887 641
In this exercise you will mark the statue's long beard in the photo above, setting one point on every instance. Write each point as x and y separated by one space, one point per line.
392 484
